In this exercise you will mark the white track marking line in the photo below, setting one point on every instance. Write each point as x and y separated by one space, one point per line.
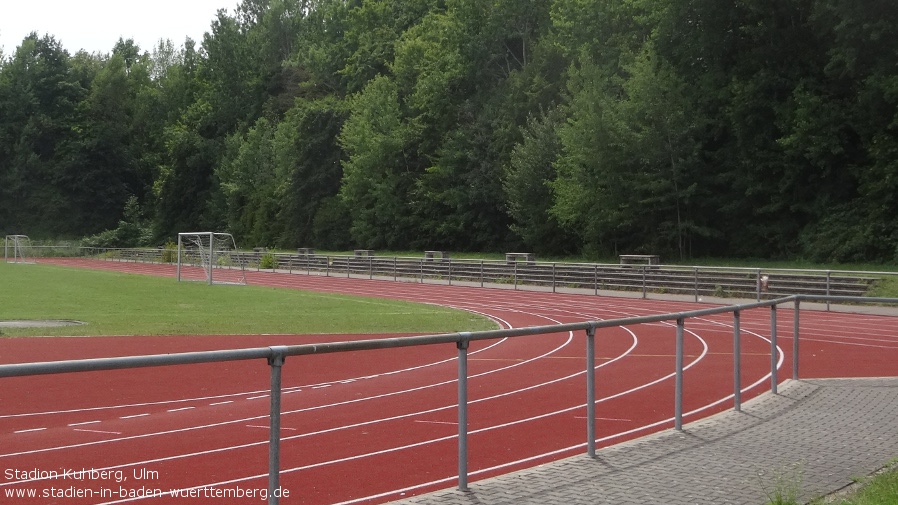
180 409
221 403
133 416
422 443
286 390
236 421
99 431
85 422
29 430
581 444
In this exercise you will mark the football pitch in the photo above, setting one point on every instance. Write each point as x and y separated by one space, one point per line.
113 303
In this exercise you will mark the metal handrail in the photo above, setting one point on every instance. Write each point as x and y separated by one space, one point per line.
698 281
276 356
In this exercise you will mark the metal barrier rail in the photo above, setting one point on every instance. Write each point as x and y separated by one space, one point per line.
695 281
276 356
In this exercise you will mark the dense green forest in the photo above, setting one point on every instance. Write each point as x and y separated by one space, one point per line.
688 128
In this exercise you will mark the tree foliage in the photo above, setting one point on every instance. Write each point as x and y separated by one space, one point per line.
684 128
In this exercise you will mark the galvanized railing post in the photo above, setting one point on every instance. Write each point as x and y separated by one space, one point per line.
515 274
591 392
449 267
695 282
644 295
462 346
595 280
276 362
678 392
737 362
553 277
481 273
773 349
758 285
795 341
828 278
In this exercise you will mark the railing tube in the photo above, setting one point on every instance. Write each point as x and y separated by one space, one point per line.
737 362
276 362
553 277
462 346
795 340
773 350
758 285
828 278
591 392
678 393
595 280
644 295
695 282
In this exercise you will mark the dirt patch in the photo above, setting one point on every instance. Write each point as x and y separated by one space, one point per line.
38 323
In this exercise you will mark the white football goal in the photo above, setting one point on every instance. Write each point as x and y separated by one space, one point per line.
210 257
17 249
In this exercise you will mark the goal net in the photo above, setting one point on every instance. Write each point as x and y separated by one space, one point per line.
210 257
17 249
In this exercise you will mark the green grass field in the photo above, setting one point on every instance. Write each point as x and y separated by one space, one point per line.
127 304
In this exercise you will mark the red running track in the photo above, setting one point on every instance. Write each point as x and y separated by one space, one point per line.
376 426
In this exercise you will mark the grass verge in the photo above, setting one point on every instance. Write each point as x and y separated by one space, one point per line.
880 489
127 304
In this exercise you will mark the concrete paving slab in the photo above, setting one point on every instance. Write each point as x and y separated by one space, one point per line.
813 438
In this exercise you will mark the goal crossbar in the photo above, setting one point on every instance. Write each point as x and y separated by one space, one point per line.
211 257
17 249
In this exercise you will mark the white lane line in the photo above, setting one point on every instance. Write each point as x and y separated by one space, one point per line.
267 427
321 386
307 409
257 397
82 424
180 409
132 417
30 430
221 403
99 431
435 422
286 390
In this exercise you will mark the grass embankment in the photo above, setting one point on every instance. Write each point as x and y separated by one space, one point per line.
881 489
127 304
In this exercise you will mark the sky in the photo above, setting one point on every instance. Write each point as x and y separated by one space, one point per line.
96 25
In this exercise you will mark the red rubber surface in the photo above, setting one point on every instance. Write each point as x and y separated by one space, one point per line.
376 426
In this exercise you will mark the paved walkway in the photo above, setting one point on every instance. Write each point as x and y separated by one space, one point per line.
813 438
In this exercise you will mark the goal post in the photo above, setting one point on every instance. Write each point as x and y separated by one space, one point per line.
211 257
17 249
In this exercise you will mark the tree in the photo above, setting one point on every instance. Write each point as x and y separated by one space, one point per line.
308 163
527 181
377 178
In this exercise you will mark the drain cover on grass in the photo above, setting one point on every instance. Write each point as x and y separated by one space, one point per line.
38 323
